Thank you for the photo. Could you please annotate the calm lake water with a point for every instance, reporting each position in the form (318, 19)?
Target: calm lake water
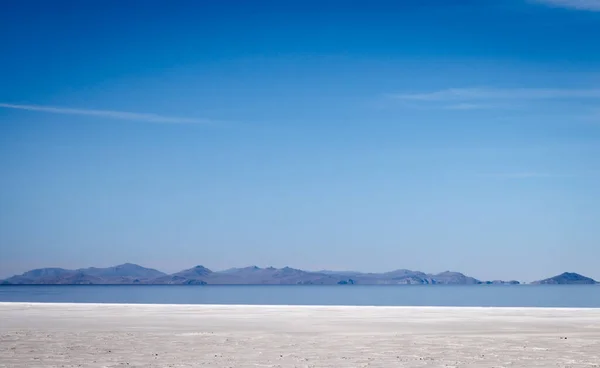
(581, 296)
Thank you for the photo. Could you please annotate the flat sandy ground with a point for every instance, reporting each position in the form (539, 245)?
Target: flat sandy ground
(92, 335)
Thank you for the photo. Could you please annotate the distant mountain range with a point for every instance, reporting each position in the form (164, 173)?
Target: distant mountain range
(123, 274)
(128, 273)
(134, 274)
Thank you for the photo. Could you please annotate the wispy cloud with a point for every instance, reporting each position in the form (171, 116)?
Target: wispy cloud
(121, 115)
(470, 94)
(591, 5)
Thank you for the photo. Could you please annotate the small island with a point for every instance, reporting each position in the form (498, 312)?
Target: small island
(567, 278)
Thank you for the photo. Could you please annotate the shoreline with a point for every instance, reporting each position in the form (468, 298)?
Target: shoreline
(299, 306)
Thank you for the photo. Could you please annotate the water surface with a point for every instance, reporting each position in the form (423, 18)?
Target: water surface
(575, 296)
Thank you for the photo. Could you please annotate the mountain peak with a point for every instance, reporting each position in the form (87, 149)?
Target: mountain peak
(198, 270)
(199, 267)
(251, 268)
(570, 274)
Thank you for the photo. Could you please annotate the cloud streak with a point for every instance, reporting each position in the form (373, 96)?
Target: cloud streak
(590, 5)
(471, 94)
(119, 115)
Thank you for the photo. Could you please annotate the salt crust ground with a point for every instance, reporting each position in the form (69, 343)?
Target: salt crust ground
(126, 335)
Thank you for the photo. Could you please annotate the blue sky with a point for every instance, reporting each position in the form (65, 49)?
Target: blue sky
(432, 135)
